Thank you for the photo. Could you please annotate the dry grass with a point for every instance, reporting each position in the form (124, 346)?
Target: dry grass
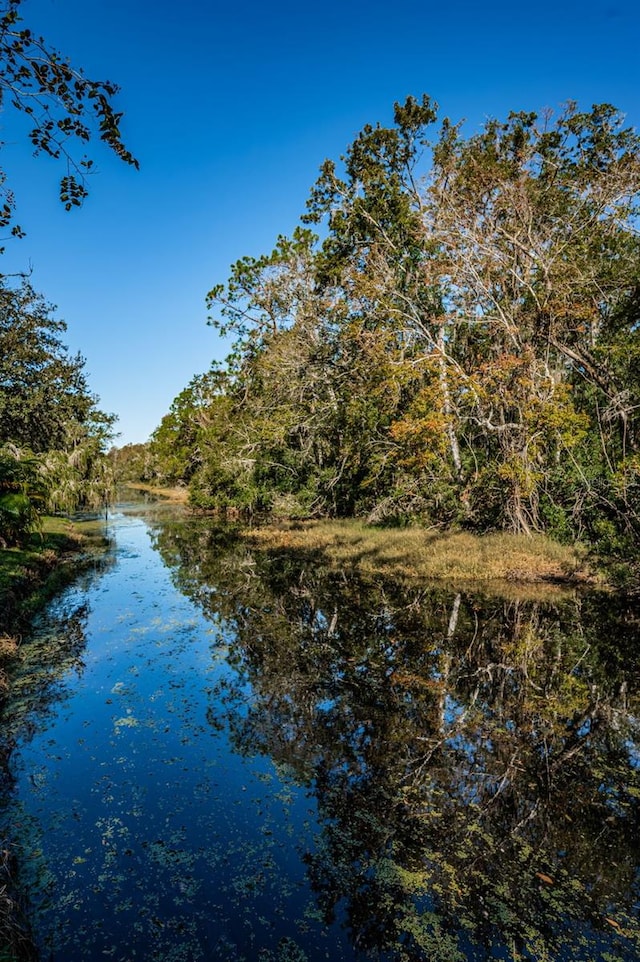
(174, 495)
(414, 553)
(8, 651)
(8, 647)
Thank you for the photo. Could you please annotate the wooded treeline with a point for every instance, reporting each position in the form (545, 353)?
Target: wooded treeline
(53, 437)
(457, 343)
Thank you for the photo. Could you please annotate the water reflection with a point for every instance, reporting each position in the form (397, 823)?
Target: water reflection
(474, 761)
(38, 680)
(285, 764)
(137, 831)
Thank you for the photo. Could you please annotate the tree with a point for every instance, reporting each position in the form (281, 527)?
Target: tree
(460, 344)
(502, 274)
(22, 495)
(43, 390)
(374, 259)
(132, 462)
(274, 436)
(533, 222)
(46, 408)
(176, 445)
(66, 109)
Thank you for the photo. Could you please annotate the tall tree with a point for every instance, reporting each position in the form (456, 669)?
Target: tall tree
(176, 444)
(534, 225)
(278, 428)
(461, 343)
(46, 407)
(43, 390)
(374, 257)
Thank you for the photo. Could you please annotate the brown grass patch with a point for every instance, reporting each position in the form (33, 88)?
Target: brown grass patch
(414, 553)
(175, 495)
(8, 651)
(8, 647)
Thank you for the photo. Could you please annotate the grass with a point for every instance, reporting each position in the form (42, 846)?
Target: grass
(34, 572)
(57, 543)
(499, 562)
(175, 495)
(512, 565)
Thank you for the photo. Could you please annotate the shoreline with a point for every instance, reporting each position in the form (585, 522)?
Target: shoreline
(496, 562)
(32, 574)
(176, 495)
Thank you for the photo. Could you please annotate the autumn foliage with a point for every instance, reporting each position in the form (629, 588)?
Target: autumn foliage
(458, 344)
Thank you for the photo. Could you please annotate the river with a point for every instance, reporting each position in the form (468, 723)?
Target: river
(218, 754)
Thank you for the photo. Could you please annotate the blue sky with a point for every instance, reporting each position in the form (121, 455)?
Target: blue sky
(231, 108)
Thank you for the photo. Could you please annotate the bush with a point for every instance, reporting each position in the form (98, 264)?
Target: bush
(21, 496)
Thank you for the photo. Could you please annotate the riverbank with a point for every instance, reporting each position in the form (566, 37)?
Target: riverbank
(177, 495)
(509, 564)
(30, 575)
(490, 561)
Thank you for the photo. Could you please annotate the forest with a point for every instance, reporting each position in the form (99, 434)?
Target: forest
(52, 433)
(449, 338)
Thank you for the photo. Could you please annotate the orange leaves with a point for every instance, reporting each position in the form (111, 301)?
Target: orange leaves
(421, 440)
(411, 429)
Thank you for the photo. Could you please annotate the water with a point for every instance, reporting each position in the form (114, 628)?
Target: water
(221, 755)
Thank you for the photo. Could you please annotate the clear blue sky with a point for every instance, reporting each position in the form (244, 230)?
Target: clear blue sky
(231, 107)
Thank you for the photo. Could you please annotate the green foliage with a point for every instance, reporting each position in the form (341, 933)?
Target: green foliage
(44, 397)
(460, 344)
(18, 516)
(22, 495)
(132, 462)
(48, 417)
(175, 447)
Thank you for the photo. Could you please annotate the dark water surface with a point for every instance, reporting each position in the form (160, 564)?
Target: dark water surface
(218, 754)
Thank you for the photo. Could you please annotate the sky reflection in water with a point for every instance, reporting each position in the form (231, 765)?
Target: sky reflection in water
(248, 757)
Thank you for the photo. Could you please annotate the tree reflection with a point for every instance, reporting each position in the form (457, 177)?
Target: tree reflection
(37, 676)
(37, 685)
(475, 761)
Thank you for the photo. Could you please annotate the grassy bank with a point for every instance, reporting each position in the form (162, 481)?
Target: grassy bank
(503, 562)
(513, 565)
(175, 495)
(34, 572)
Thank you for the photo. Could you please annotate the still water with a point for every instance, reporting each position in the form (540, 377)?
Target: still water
(218, 754)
